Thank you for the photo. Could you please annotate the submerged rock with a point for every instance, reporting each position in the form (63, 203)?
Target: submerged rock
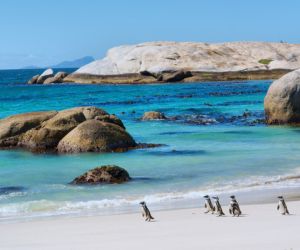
(153, 115)
(46, 74)
(282, 102)
(80, 129)
(104, 174)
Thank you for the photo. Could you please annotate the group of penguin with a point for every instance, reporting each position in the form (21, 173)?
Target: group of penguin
(234, 207)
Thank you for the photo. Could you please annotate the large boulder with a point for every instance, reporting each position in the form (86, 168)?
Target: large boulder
(153, 115)
(34, 79)
(73, 130)
(46, 74)
(104, 174)
(96, 136)
(18, 124)
(58, 78)
(282, 102)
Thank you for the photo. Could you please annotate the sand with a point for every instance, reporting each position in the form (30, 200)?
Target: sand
(261, 227)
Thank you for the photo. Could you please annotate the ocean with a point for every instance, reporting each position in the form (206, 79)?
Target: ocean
(215, 143)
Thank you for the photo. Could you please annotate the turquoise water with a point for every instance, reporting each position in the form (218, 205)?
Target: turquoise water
(216, 143)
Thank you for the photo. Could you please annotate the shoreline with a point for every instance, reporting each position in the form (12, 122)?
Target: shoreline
(136, 78)
(246, 197)
(172, 229)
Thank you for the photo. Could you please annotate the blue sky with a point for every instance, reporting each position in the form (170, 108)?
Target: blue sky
(36, 32)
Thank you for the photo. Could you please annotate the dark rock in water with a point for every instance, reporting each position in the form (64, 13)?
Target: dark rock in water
(153, 115)
(82, 129)
(194, 119)
(177, 152)
(246, 114)
(256, 122)
(104, 174)
(176, 133)
(282, 102)
(34, 79)
(11, 189)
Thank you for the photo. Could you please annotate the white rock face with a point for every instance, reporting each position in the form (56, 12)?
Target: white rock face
(157, 57)
(45, 75)
(47, 72)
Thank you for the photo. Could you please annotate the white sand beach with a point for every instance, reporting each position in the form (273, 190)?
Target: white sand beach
(261, 227)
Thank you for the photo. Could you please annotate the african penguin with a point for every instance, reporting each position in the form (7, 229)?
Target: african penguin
(218, 208)
(208, 205)
(146, 212)
(281, 207)
(234, 207)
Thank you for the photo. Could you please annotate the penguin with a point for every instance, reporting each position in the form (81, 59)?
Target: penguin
(234, 207)
(218, 208)
(146, 212)
(281, 207)
(208, 205)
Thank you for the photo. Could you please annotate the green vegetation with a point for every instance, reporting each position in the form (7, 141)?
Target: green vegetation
(206, 74)
(265, 61)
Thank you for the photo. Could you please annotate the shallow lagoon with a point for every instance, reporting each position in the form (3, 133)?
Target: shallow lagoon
(216, 143)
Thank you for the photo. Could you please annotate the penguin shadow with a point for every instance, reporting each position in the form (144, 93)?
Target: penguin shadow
(290, 214)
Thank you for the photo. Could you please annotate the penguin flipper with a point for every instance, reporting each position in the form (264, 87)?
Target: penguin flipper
(277, 207)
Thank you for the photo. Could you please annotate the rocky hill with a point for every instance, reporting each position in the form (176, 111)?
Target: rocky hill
(147, 61)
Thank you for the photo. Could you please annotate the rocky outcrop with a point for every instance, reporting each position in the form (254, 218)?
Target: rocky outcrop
(153, 115)
(34, 79)
(48, 77)
(146, 62)
(45, 75)
(282, 102)
(82, 129)
(105, 174)
(58, 78)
